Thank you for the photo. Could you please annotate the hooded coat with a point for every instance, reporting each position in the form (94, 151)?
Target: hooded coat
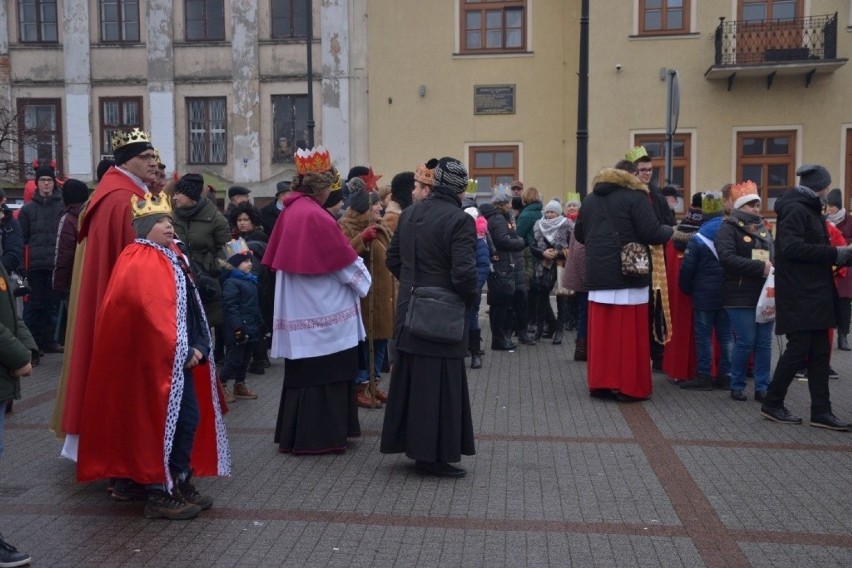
(805, 295)
(617, 212)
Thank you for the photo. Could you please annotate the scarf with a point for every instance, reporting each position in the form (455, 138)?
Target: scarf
(837, 217)
(550, 230)
(752, 223)
(188, 213)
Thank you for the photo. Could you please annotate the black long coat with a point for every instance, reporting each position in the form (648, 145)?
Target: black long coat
(744, 277)
(629, 206)
(508, 245)
(444, 256)
(805, 295)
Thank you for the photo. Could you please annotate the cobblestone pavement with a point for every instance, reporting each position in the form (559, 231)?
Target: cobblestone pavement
(684, 479)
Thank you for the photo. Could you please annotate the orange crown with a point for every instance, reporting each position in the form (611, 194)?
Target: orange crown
(747, 187)
(315, 160)
(424, 175)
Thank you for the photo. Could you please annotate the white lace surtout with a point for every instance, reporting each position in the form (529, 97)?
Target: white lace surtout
(620, 296)
(317, 315)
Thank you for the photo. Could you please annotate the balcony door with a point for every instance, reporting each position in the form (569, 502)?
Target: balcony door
(770, 30)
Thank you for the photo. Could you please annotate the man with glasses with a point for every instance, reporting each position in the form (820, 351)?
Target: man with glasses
(105, 229)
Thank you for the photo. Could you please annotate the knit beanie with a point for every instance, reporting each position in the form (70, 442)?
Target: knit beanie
(357, 171)
(143, 225)
(124, 153)
(553, 205)
(45, 171)
(361, 200)
(237, 259)
(74, 191)
(481, 226)
(103, 166)
(452, 174)
(835, 198)
(472, 211)
(402, 185)
(692, 220)
(814, 176)
(191, 185)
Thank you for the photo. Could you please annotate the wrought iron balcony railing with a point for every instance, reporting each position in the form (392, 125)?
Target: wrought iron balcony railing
(769, 42)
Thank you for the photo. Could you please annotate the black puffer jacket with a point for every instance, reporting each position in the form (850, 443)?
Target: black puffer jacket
(744, 277)
(508, 246)
(805, 295)
(444, 256)
(628, 203)
(39, 221)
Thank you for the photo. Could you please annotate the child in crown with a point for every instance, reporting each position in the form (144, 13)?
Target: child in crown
(243, 319)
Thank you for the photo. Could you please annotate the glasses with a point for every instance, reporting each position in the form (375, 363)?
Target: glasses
(147, 157)
(646, 170)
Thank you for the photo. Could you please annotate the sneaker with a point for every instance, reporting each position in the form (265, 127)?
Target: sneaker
(832, 374)
(11, 556)
(128, 490)
(738, 395)
(229, 397)
(781, 415)
(760, 396)
(242, 391)
(801, 375)
(164, 505)
(830, 422)
(191, 495)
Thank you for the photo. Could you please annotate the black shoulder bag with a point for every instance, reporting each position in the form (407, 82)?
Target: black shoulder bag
(434, 313)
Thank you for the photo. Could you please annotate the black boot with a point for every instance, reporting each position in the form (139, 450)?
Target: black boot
(474, 345)
(524, 337)
(580, 350)
(557, 334)
(842, 342)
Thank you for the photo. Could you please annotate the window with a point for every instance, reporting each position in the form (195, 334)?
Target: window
(769, 10)
(493, 165)
(205, 20)
(40, 128)
(289, 19)
(207, 124)
(119, 20)
(37, 20)
(289, 126)
(767, 159)
(655, 145)
(118, 114)
(663, 17)
(492, 26)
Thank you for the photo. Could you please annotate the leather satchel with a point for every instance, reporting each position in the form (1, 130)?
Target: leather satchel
(436, 314)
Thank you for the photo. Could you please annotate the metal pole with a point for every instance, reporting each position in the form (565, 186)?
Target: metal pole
(669, 133)
(310, 41)
(371, 332)
(583, 103)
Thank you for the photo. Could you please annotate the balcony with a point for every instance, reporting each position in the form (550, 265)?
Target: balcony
(803, 46)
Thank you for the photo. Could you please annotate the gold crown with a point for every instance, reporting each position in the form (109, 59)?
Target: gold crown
(150, 205)
(121, 138)
(635, 153)
(424, 175)
(316, 160)
(472, 186)
(747, 187)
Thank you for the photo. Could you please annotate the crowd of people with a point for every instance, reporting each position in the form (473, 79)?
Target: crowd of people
(328, 276)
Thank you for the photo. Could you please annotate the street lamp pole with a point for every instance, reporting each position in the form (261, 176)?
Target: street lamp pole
(583, 103)
(310, 26)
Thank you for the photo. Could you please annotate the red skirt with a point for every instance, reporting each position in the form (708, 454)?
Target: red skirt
(619, 350)
(680, 359)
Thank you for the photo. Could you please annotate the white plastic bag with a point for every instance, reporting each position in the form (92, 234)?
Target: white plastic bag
(765, 311)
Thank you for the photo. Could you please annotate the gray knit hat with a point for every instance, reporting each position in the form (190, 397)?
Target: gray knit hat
(814, 176)
(553, 205)
(452, 174)
(835, 198)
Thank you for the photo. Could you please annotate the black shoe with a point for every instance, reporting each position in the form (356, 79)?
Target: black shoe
(504, 345)
(781, 415)
(11, 556)
(722, 383)
(760, 396)
(163, 505)
(832, 374)
(525, 338)
(538, 333)
(830, 422)
(190, 494)
(557, 336)
(439, 469)
(54, 348)
(738, 394)
(605, 394)
(621, 397)
(475, 360)
(128, 490)
(700, 383)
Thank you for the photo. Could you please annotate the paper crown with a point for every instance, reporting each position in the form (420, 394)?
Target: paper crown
(150, 205)
(747, 187)
(316, 160)
(635, 153)
(236, 246)
(424, 175)
(120, 138)
(572, 197)
(711, 203)
(472, 186)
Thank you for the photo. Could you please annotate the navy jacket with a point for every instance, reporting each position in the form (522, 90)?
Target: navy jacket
(241, 306)
(701, 273)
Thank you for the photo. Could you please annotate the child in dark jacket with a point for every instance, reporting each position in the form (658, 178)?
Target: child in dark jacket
(243, 320)
(701, 276)
(483, 265)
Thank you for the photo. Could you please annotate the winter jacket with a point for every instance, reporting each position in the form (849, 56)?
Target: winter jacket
(662, 211)
(526, 221)
(269, 215)
(545, 270)
(628, 204)
(39, 222)
(483, 261)
(66, 248)
(701, 274)
(743, 274)
(805, 295)
(17, 345)
(444, 256)
(11, 241)
(241, 306)
(508, 245)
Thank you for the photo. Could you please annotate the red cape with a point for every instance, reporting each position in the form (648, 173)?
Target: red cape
(307, 240)
(105, 224)
(135, 366)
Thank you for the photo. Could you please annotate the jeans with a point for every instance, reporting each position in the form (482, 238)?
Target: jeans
(187, 423)
(582, 314)
(3, 404)
(705, 322)
(809, 349)
(750, 336)
(237, 356)
(379, 350)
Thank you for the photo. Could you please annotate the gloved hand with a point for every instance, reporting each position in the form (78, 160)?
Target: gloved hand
(240, 334)
(844, 256)
(368, 234)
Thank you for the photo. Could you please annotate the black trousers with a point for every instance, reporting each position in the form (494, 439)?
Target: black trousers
(804, 349)
(845, 316)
